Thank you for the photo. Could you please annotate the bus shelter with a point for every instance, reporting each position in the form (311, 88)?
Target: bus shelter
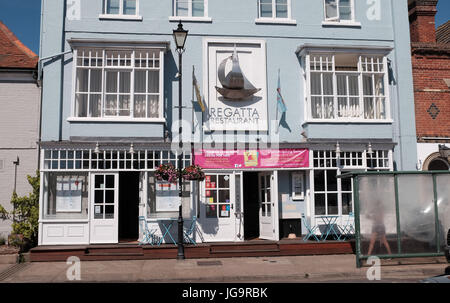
(400, 214)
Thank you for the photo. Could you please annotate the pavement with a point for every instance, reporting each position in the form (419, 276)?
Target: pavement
(297, 269)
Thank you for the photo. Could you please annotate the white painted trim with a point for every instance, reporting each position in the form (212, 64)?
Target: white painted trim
(189, 19)
(341, 23)
(64, 221)
(119, 17)
(275, 21)
(124, 120)
(345, 121)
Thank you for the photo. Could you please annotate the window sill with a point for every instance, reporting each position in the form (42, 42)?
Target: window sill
(118, 120)
(334, 121)
(190, 19)
(341, 24)
(120, 17)
(275, 21)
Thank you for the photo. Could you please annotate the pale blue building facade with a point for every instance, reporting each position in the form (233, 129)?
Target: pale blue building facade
(110, 112)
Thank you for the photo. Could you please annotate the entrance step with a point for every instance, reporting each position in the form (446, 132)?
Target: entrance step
(239, 249)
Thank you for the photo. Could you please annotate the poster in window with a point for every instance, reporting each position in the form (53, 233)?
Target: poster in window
(298, 187)
(68, 194)
(167, 197)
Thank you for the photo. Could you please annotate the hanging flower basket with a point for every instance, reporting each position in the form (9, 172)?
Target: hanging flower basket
(166, 172)
(193, 173)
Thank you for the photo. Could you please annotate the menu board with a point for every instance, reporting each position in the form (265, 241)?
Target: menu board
(68, 195)
(167, 197)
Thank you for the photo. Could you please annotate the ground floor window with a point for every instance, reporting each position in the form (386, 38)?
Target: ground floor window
(334, 195)
(163, 199)
(65, 196)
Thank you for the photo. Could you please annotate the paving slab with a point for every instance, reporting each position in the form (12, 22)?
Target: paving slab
(273, 269)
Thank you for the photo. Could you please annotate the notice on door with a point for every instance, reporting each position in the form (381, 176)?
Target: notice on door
(167, 197)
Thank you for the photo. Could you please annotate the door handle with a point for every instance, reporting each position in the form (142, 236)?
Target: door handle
(232, 206)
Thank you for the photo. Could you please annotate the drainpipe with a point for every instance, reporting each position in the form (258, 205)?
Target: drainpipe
(16, 163)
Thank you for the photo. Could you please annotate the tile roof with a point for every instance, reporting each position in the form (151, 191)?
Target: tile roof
(13, 53)
(443, 33)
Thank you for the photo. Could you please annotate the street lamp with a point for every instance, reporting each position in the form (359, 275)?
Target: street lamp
(180, 36)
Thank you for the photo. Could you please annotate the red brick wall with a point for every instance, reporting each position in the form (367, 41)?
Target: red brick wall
(423, 29)
(429, 72)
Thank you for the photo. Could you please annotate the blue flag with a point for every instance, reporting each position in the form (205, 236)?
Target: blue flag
(280, 102)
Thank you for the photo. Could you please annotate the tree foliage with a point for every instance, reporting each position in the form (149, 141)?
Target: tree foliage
(25, 213)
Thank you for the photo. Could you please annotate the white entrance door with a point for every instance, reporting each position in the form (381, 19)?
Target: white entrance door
(104, 208)
(217, 220)
(268, 205)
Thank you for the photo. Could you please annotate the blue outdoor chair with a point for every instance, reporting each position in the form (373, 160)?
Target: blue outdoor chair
(311, 230)
(348, 230)
(148, 236)
(190, 233)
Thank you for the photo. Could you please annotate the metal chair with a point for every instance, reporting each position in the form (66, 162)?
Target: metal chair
(348, 230)
(311, 230)
(190, 233)
(148, 236)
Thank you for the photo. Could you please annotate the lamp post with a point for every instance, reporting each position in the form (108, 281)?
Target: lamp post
(180, 36)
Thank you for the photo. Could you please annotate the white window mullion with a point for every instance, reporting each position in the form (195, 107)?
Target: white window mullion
(274, 9)
(361, 89)
(132, 74)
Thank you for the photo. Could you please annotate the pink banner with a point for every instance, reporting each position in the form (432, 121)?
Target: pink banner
(239, 159)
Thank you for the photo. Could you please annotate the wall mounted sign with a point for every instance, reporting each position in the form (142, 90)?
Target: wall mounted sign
(236, 84)
(241, 159)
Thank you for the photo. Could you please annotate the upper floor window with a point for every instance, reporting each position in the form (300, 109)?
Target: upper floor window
(339, 11)
(190, 10)
(118, 84)
(126, 9)
(347, 87)
(274, 11)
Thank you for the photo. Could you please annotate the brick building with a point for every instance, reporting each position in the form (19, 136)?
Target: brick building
(19, 119)
(430, 50)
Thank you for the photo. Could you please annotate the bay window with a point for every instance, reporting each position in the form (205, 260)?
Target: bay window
(339, 10)
(347, 87)
(118, 84)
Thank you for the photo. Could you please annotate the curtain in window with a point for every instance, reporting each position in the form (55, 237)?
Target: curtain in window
(198, 8)
(113, 7)
(282, 8)
(182, 8)
(331, 9)
(265, 8)
(345, 10)
(129, 7)
(348, 95)
(125, 96)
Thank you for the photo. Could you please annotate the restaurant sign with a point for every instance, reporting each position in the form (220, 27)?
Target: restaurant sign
(241, 159)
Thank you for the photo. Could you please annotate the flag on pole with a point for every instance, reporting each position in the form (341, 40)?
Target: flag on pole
(280, 102)
(197, 93)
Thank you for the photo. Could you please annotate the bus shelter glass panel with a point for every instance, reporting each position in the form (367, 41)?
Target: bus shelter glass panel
(443, 202)
(378, 224)
(417, 213)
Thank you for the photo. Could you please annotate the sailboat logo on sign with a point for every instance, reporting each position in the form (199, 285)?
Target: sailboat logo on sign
(235, 86)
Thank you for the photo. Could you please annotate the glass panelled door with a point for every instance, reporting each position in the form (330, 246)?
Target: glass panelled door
(217, 219)
(104, 208)
(268, 211)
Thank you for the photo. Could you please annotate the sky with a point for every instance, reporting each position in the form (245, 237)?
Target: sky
(23, 19)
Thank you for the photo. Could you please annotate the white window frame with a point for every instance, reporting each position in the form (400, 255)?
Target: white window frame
(104, 68)
(336, 20)
(298, 178)
(274, 19)
(121, 15)
(309, 118)
(189, 17)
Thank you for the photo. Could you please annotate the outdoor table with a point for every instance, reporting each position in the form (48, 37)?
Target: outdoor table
(167, 225)
(330, 222)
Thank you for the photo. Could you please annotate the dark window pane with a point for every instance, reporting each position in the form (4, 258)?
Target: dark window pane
(109, 196)
(331, 180)
(224, 181)
(224, 211)
(224, 196)
(99, 181)
(332, 204)
(109, 181)
(346, 184)
(319, 204)
(211, 211)
(319, 180)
